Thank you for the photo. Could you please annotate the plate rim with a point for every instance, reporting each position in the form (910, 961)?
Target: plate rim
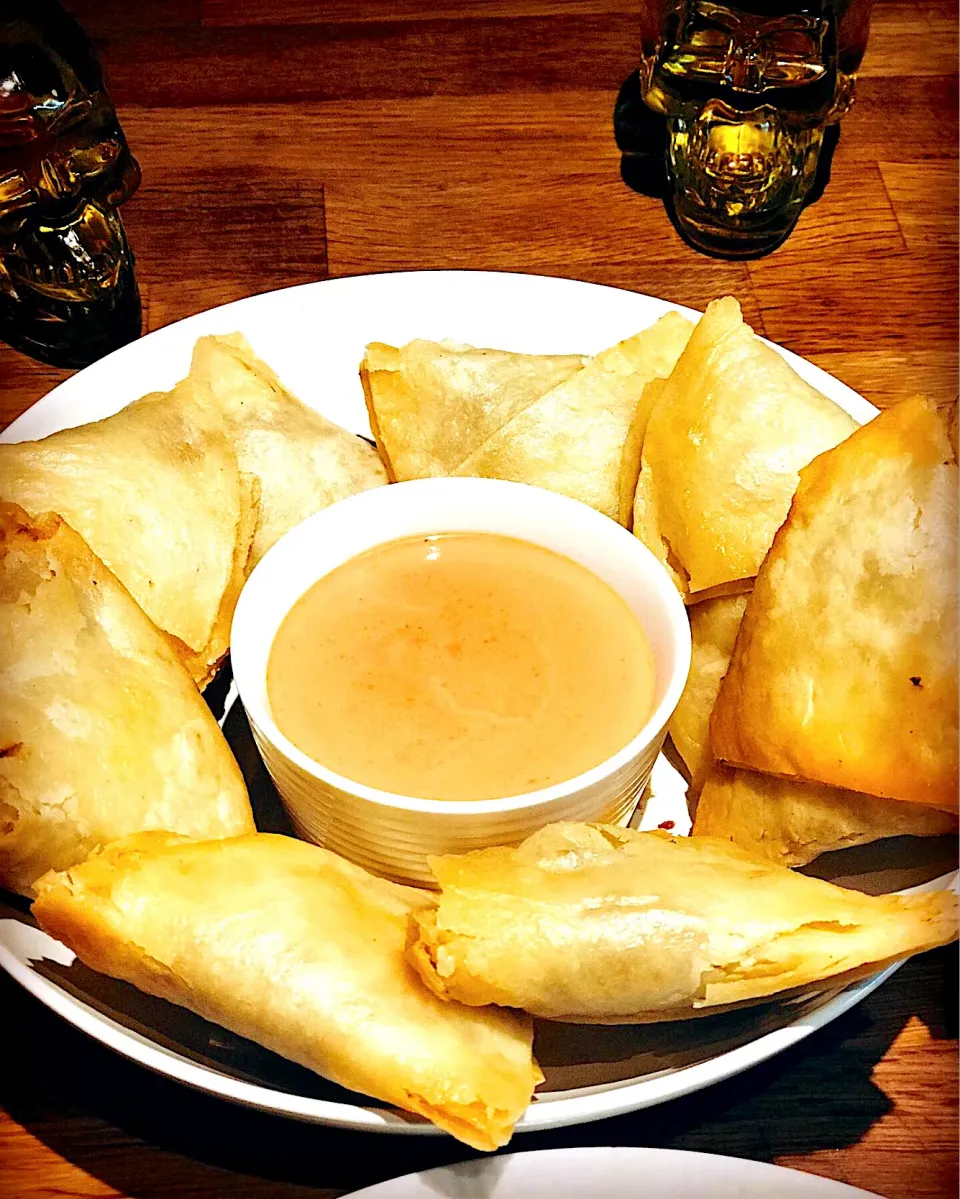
(617, 1098)
(635, 1155)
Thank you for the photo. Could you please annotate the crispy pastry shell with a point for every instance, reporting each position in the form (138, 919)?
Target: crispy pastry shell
(289, 945)
(431, 405)
(303, 461)
(102, 732)
(845, 667)
(794, 822)
(157, 494)
(572, 439)
(713, 632)
(721, 453)
(598, 924)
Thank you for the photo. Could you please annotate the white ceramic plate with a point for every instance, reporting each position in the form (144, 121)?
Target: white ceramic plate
(314, 337)
(610, 1173)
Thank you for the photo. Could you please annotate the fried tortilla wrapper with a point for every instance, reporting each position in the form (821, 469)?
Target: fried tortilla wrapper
(572, 439)
(793, 823)
(102, 732)
(845, 667)
(633, 447)
(431, 405)
(303, 461)
(781, 819)
(721, 453)
(156, 493)
(591, 923)
(289, 945)
(713, 632)
(203, 664)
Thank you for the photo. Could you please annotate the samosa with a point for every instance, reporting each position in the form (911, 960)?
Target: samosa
(793, 822)
(785, 820)
(432, 404)
(845, 666)
(157, 494)
(592, 923)
(303, 461)
(289, 945)
(713, 631)
(721, 452)
(102, 731)
(572, 439)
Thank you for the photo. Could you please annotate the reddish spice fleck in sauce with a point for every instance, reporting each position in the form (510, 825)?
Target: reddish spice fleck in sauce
(666, 824)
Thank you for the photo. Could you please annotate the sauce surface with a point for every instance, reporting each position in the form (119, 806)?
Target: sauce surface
(461, 666)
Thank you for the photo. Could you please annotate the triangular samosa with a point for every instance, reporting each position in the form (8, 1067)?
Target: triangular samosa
(721, 453)
(289, 945)
(432, 404)
(794, 822)
(303, 461)
(156, 493)
(845, 667)
(571, 440)
(102, 732)
(591, 923)
(785, 820)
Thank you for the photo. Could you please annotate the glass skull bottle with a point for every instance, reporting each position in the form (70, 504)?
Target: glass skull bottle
(747, 90)
(68, 294)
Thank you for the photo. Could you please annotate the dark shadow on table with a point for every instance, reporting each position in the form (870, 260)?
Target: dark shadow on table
(818, 1095)
(641, 137)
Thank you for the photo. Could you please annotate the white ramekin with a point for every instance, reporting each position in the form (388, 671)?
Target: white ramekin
(393, 834)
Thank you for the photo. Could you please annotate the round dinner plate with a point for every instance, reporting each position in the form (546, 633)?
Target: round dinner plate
(610, 1173)
(314, 337)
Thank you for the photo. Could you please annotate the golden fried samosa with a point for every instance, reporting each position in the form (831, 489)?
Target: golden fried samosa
(591, 923)
(845, 667)
(102, 732)
(303, 461)
(572, 438)
(785, 820)
(713, 632)
(431, 404)
(289, 945)
(156, 493)
(721, 453)
(794, 822)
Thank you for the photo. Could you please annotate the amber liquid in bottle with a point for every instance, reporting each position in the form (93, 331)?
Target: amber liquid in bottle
(68, 294)
(747, 90)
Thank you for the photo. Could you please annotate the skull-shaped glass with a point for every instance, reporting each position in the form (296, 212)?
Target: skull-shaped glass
(67, 288)
(747, 90)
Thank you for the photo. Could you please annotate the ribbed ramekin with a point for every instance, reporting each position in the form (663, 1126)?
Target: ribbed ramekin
(393, 834)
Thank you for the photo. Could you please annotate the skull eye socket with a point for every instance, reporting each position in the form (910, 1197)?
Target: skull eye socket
(35, 72)
(90, 161)
(703, 52)
(793, 57)
(708, 37)
(793, 44)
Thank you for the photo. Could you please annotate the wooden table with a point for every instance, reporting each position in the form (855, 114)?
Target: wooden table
(289, 140)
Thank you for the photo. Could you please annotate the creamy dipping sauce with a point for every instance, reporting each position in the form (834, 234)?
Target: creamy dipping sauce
(462, 666)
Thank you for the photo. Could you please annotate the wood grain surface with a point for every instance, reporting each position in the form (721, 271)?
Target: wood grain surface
(283, 141)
